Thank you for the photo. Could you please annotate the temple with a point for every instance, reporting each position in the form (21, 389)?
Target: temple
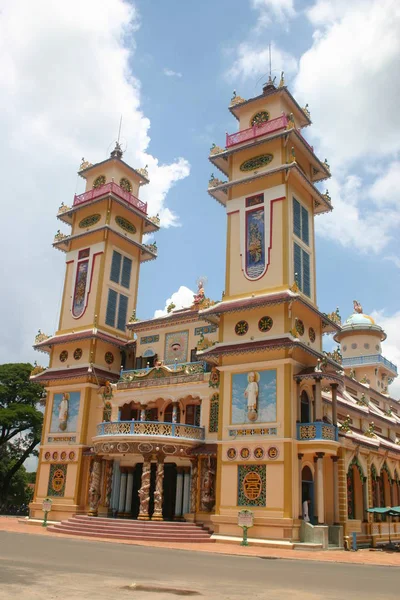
(227, 405)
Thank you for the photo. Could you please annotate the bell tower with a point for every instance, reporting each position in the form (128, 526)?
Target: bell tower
(104, 251)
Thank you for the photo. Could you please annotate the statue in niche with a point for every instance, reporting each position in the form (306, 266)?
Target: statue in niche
(357, 307)
(94, 487)
(63, 412)
(207, 498)
(251, 393)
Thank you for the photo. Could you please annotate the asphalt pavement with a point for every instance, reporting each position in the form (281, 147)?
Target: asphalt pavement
(43, 568)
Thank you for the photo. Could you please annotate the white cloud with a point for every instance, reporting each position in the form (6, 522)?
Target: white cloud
(171, 73)
(183, 298)
(252, 61)
(386, 189)
(66, 79)
(281, 10)
(394, 259)
(391, 347)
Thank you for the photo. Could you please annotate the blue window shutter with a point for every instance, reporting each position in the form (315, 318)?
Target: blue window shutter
(304, 225)
(296, 218)
(126, 272)
(122, 312)
(306, 274)
(115, 266)
(297, 266)
(111, 308)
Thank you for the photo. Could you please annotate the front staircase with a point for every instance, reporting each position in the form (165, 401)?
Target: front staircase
(127, 529)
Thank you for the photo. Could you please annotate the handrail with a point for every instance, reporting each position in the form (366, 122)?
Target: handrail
(113, 188)
(256, 130)
(370, 359)
(319, 430)
(151, 428)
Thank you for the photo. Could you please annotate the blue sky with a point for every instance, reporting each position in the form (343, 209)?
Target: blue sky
(170, 68)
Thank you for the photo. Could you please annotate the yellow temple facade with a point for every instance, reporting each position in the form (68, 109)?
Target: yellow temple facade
(227, 405)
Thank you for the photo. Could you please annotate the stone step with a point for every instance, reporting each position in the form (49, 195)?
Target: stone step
(97, 521)
(199, 538)
(140, 530)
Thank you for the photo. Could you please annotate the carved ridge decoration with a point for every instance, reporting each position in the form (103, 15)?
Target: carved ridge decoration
(216, 150)
(123, 385)
(236, 99)
(161, 371)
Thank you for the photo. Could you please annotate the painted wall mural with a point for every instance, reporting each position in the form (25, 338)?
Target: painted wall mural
(254, 397)
(65, 412)
(176, 347)
(255, 243)
(78, 305)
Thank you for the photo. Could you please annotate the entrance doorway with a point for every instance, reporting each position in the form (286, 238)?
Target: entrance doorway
(307, 491)
(169, 491)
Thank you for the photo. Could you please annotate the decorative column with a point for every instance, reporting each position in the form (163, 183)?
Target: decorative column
(316, 484)
(318, 399)
(158, 493)
(321, 505)
(313, 405)
(129, 491)
(186, 491)
(193, 487)
(144, 492)
(143, 413)
(115, 487)
(108, 483)
(300, 492)
(391, 483)
(122, 493)
(298, 396)
(334, 387)
(94, 487)
(114, 412)
(179, 491)
(174, 411)
(335, 466)
(365, 499)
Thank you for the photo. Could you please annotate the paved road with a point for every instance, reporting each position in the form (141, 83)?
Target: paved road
(44, 568)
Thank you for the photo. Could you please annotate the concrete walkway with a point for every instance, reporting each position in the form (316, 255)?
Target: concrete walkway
(363, 557)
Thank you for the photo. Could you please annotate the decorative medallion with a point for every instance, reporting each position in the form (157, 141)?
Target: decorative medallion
(63, 455)
(125, 184)
(71, 455)
(256, 162)
(259, 452)
(260, 117)
(265, 324)
(251, 485)
(241, 328)
(273, 452)
(109, 358)
(299, 326)
(99, 181)
(47, 455)
(245, 453)
(125, 224)
(57, 477)
(166, 449)
(89, 221)
(311, 334)
(231, 453)
(146, 448)
(78, 353)
(213, 382)
(63, 355)
(55, 455)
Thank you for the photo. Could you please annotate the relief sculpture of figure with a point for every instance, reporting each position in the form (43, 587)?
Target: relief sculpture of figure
(357, 307)
(94, 487)
(193, 489)
(158, 493)
(63, 412)
(208, 485)
(144, 493)
(251, 393)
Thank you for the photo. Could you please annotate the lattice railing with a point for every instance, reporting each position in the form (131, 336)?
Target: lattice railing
(115, 189)
(253, 132)
(151, 428)
(316, 431)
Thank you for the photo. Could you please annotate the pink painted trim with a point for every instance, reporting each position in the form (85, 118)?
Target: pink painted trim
(111, 187)
(267, 250)
(253, 132)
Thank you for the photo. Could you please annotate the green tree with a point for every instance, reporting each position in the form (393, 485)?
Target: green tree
(20, 424)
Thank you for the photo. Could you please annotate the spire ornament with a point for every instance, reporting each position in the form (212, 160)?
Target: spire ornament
(282, 81)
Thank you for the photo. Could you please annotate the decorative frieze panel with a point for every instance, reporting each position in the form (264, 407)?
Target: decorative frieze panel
(204, 330)
(57, 479)
(251, 485)
(214, 413)
(149, 339)
(254, 431)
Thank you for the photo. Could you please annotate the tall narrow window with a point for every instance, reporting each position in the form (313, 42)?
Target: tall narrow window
(111, 308)
(126, 272)
(300, 221)
(116, 311)
(122, 312)
(302, 269)
(115, 267)
(121, 267)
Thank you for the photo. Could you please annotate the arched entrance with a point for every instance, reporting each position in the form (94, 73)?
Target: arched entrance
(305, 408)
(355, 478)
(307, 491)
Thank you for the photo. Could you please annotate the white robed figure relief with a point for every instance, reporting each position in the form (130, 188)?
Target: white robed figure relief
(63, 412)
(251, 393)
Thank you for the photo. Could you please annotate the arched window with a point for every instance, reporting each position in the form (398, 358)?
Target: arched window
(305, 416)
(168, 413)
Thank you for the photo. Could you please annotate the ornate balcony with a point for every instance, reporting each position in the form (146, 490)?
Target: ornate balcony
(372, 359)
(110, 188)
(134, 430)
(317, 431)
(163, 375)
(256, 131)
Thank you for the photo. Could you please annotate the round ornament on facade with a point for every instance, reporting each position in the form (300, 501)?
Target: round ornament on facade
(63, 455)
(260, 117)
(377, 347)
(99, 181)
(265, 324)
(71, 455)
(109, 358)
(344, 348)
(125, 184)
(63, 355)
(241, 327)
(366, 346)
(231, 453)
(311, 334)
(125, 224)
(89, 221)
(299, 326)
(78, 354)
(47, 455)
(245, 453)
(55, 455)
(354, 346)
(252, 485)
(273, 452)
(256, 162)
(259, 453)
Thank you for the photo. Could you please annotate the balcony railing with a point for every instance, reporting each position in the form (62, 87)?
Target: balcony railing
(163, 375)
(253, 132)
(111, 188)
(179, 431)
(317, 431)
(372, 359)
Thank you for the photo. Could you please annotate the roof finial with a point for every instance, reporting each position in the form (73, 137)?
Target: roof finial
(357, 307)
(117, 152)
(271, 82)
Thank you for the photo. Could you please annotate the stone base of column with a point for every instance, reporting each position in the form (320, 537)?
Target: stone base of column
(143, 518)
(92, 513)
(157, 517)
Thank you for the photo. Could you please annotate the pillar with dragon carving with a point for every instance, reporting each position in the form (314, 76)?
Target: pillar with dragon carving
(158, 493)
(144, 492)
(94, 487)
(193, 489)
